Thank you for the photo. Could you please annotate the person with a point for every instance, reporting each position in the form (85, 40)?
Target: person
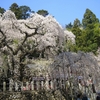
(98, 96)
(85, 97)
(79, 96)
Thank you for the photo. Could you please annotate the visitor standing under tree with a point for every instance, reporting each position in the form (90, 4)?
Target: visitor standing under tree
(79, 96)
(85, 97)
(98, 96)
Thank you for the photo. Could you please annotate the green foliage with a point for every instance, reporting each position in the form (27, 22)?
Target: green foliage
(69, 46)
(69, 26)
(15, 41)
(89, 18)
(97, 33)
(25, 12)
(76, 23)
(2, 10)
(43, 12)
(21, 12)
(87, 38)
(15, 8)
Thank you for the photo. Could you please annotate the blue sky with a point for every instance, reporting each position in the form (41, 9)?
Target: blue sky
(65, 11)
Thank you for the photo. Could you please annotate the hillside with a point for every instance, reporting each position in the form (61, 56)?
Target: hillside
(37, 46)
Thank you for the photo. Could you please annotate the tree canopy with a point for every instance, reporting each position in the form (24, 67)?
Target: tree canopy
(69, 26)
(25, 11)
(87, 33)
(76, 23)
(89, 18)
(43, 12)
(2, 10)
(21, 12)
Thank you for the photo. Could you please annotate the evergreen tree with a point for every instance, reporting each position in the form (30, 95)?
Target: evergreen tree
(21, 12)
(2, 10)
(25, 11)
(76, 23)
(88, 38)
(15, 8)
(89, 18)
(69, 26)
(43, 12)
